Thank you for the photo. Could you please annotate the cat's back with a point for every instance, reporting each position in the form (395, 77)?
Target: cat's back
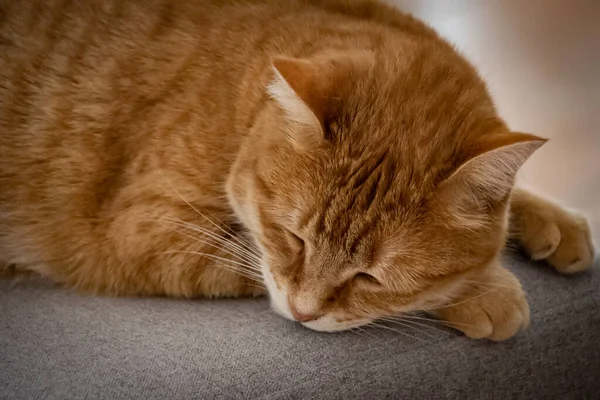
(91, 83)
(67, 62)
(90, 88)
(97, 95)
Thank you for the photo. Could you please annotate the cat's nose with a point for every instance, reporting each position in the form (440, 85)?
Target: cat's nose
(300, 317)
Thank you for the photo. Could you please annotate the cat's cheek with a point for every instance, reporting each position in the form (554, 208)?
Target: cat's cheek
(277, 294)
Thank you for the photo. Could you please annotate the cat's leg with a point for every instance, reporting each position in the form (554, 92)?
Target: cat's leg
(161, 249)
(10, 271)
(548, 232)
(185, 252)
(491, 306)
(7, 270)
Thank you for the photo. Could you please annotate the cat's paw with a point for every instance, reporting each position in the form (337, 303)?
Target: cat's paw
(494, 308)
(551, 233)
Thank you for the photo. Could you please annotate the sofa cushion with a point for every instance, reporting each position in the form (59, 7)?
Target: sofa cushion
(57, 344)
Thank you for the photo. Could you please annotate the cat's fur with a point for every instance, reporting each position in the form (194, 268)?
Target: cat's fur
(339, 149)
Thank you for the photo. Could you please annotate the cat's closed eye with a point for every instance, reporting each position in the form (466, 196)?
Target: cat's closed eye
(295, 242)
(367, 278)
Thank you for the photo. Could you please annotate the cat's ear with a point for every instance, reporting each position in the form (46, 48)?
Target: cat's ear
(297, 88)
(489, 174)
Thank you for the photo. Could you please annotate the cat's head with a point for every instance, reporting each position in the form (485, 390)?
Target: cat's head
(374, 185)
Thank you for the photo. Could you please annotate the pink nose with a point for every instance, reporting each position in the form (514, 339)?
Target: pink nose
(303, 317)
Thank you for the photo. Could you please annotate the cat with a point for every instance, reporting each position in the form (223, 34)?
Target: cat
(337, 156)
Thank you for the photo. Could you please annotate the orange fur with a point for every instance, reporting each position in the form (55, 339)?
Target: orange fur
(338, 149)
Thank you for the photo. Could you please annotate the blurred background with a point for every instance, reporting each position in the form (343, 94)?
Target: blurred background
(541, 60)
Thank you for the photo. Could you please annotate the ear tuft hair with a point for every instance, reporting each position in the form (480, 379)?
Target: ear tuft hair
(292, 87)
(489, 176)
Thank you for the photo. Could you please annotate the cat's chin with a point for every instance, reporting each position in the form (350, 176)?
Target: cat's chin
(328, 323)
(280, 309)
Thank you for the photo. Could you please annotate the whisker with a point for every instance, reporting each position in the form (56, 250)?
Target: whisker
(220, 239)
(437, 320)
(490, 284)
(460, 302)
(189, 204)
(355, 330)
(395, 330)
(216, 245)
(237, 235)
(244, 248)
(407, 324)
(261, 286)
(367, 332)
(173, 220)
(222, 259)
(247, 265)
(241, 273)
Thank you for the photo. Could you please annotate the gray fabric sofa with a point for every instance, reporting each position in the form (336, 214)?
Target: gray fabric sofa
(55, 344)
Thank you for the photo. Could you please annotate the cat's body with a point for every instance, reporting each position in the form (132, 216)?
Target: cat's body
(122, 121)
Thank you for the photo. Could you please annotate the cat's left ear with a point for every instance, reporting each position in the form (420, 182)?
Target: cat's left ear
(298, 88)
(489, 174)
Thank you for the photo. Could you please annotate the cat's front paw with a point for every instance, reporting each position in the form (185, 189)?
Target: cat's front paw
(551, 233)
(494, 307)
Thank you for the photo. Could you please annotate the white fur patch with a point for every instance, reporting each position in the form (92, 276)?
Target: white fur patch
(294, 107)
(278, 297)
(303, 129)
(329, 323)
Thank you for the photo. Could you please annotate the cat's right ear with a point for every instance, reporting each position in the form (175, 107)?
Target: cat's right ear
(295, 88)
(488, 175)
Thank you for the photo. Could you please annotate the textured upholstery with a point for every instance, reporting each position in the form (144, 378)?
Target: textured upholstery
(61, 345)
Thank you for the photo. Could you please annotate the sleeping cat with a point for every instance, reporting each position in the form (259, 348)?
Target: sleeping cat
(336, 155)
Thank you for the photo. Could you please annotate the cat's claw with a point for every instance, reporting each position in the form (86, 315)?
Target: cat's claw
(494, 309)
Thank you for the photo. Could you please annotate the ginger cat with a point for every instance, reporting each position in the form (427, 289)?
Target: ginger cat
(339, 152)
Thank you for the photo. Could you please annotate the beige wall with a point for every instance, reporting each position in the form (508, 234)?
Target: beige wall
(541, 59)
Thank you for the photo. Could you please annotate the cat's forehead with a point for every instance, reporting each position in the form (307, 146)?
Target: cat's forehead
(358, 206)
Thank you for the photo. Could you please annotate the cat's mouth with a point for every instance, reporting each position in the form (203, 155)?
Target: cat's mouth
(324, 323)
